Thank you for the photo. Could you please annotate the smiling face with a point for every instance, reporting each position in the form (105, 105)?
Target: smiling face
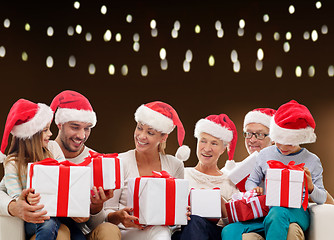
(287, 149)
(253, 144)
(209, 149)
(72, 136)
(148, 139)
(45, 135)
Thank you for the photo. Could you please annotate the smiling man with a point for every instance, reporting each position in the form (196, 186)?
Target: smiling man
(256, 129)
(75, 117)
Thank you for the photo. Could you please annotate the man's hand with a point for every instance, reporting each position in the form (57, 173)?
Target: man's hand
(80, 219)
(97, 199)
(123, 216)
(21, 209)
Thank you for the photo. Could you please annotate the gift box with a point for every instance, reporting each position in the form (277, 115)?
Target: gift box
(242, 170)
(284, 185)
(205, 202)
(246, 206)
(158, 199)
(64, 187)
(107, 170)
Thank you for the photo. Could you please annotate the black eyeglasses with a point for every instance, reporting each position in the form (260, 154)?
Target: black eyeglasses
(258, 136)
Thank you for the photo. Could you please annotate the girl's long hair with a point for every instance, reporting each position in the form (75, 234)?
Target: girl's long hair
(24, 151)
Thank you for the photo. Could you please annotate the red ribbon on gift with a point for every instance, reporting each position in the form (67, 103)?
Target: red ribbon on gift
(63, 182)
(98, 169)
(285, 180)
(170, 196)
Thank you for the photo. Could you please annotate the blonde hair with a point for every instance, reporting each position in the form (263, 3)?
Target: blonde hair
(24, 151)
(162, 147)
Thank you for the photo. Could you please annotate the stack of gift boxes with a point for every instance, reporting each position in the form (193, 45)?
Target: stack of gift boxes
(159, 199)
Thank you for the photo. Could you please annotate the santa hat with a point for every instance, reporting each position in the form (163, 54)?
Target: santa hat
(72, 106)
(259, 115)
(292, 124)
(163, 118)
(24, 120)
(222, 127)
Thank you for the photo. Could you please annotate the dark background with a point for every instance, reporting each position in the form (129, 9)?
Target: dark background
(195, 94)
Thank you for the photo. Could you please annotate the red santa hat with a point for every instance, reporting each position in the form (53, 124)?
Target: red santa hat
(163, 118)
(222, 127)
(292, 124)
(259, 115)
(72, 106)
(24, 120)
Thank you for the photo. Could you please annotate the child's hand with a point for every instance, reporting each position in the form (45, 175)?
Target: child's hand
(310, 185)
(258, 190)
(33, 198)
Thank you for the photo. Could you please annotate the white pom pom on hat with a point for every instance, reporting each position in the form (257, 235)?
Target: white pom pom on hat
(183, 153)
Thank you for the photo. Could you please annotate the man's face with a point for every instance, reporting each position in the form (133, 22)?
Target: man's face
(254, 144)
(74, 134)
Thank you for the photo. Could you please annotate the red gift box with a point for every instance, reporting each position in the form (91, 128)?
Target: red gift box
(249, 206)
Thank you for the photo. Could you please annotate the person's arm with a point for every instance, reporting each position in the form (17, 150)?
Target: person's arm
(256, 176)
(316, 188)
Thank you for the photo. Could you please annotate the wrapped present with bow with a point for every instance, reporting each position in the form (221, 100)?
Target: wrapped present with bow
(242, 170)
(285, 184)
(158, 199)
(107, 170)
(246, 206)
(64, 187)
(205, 202)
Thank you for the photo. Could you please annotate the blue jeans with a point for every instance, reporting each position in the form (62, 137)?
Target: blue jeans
(275, 224)
(46, 230)
(198, 228)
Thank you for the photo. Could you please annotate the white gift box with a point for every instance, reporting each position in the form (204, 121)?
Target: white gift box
(64, 193)
(205, 202)
(152, 199)
(242, 170)
(107, 172)
(288, 193)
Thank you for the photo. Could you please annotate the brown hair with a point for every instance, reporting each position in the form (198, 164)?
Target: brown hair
(24, 151)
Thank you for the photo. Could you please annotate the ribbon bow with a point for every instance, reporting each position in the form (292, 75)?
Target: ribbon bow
(291, 166)
(249, 196)
(105, 155)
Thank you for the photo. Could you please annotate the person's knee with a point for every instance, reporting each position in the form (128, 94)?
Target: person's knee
(63, 233)
(275, 213)
(252, 236)
(196, 221)
(295, 232)
(106, 231)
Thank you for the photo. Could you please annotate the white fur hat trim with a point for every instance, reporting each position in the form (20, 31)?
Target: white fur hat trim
(291, 136)
(42, 117)
(257, 117)
(214, 129)
(64, 115)
(154, 119)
